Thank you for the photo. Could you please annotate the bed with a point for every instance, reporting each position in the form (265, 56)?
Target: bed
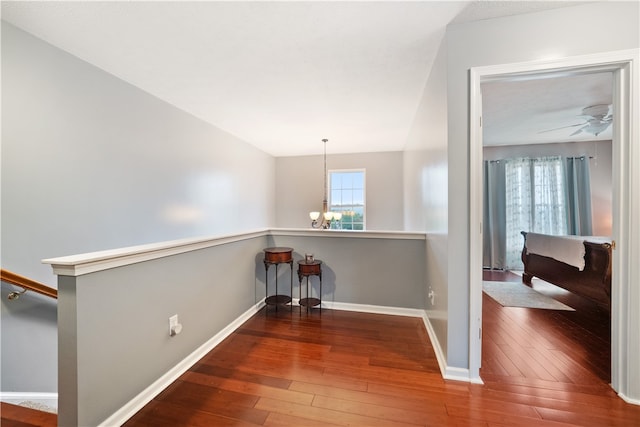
(579, 264)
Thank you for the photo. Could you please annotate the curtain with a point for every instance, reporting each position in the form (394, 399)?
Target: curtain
(578, 195)
(548, 195)
(535, 201)
(494, 251)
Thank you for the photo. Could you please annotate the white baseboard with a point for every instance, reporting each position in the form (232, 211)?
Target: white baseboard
(448, 372)
(377, 309)
(629, 400)
(127, 411)
(442, 361)
(460, 374)
(48, 399)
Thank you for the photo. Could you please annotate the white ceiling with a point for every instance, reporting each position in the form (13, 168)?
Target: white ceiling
(528, 111)
(279, 75)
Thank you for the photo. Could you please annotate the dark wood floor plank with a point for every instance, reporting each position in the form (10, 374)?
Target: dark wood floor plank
(407, 402)
(248, 388)
(213, 400)
(334, 416)
(168, 414)
(236, 374)
(276, 419)
(601, 418)
(383, 412)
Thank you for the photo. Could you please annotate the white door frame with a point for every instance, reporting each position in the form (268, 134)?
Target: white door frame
(625, 319)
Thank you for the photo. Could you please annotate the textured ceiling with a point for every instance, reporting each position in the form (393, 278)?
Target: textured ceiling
(543, 110)
(279, 75)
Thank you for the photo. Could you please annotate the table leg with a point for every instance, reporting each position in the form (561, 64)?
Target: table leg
(276, 287)
(307, 293)
(266, 283)
(320, 294)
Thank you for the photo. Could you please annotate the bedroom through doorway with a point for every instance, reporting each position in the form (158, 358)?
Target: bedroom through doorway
(547, 169)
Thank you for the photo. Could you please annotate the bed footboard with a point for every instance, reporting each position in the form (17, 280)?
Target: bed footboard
(593, 282)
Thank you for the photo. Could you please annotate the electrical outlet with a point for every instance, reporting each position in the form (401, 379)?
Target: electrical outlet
(174, 326)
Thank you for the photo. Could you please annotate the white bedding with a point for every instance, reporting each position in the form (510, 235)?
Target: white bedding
(567, 249)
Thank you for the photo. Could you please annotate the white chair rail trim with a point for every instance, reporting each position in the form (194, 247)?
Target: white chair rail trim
(77, 265)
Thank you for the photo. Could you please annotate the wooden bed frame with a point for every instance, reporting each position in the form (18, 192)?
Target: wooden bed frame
(594, 282)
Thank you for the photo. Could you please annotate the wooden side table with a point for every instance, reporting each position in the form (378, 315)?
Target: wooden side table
(306, 269)
(276, 256)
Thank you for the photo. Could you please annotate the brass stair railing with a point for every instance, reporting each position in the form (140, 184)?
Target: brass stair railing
(26, 284)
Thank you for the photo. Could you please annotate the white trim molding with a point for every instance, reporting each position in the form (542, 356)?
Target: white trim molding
(341, 234)
(448, 372)
(625, 301)
(78, 265)
(375, 309)
(629, 400)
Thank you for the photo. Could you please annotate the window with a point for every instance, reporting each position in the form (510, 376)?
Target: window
(548, 195)
(346, 195)
(535, 196)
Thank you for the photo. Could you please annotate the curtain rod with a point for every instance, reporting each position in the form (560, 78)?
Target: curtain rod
(567, 157)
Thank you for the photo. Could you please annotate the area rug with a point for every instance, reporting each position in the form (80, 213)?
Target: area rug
(514, 294)
(38, 406)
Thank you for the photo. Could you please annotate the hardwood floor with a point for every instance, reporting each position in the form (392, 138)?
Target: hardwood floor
(339, 368)
(550, 345)
(345, 368)
(19, 416)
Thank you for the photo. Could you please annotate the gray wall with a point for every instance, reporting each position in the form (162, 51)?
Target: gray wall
(437, 151)
(599, 166)
(577, 30)
(300, 186)
(114, 339)
(384, 272)
(425, 190)
(114, 324)
(90, 162)
(29, 342)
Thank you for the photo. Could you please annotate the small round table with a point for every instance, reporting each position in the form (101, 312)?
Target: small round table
(306, 269)
(275, 256)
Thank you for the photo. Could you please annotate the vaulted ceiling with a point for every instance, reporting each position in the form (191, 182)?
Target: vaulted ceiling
(281, 75)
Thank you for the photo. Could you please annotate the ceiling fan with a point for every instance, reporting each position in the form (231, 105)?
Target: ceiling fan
(597, 119)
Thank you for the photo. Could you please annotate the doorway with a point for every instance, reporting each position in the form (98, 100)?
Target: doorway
(624, 101)
(534, 131)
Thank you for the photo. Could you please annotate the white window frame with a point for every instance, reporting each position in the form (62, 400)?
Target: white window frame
(364, 192)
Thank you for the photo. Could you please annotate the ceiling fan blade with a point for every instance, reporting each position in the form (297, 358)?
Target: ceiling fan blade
(563, 127)
(598, 110)
(579, 130)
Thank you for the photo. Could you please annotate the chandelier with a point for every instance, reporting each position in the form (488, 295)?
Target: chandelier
(325, 218)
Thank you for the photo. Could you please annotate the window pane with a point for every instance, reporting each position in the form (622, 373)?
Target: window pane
(358, 180)
(347, 196)
(358, 197)
(336, 198)
(350, 182)
(336, 180)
